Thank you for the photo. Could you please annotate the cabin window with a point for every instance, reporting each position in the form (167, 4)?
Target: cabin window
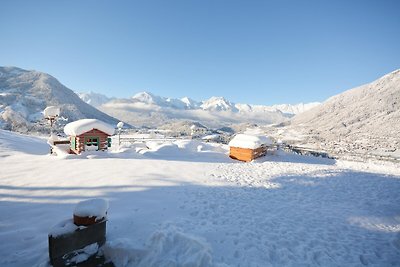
(92, 143)
(109, 142)
(95, 142)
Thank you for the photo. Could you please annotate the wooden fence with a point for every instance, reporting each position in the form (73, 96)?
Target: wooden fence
(354, 156)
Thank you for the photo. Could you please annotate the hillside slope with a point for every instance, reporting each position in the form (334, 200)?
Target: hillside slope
(365, 118)
(24, 95)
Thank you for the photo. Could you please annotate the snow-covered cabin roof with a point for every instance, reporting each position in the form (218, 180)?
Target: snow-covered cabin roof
(249, 141)
(85, 125)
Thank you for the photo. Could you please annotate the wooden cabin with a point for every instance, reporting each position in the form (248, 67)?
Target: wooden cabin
(247, 154)
(246, 147)
(88, 135)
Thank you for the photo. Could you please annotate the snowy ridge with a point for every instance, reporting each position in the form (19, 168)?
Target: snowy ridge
(363, 119)
(148, 98)
(147, 109)
(218, 104)
(25, 94)
(190, 103)
(94, 99)
(295, 109)
(213, 104)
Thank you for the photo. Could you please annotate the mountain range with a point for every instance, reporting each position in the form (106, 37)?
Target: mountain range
(212, 104)
(24, 94)
(147, 109)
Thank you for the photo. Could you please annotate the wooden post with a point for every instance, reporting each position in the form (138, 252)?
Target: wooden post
(63, 248)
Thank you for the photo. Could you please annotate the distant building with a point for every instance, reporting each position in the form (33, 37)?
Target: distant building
(198, 130)
(88, 135)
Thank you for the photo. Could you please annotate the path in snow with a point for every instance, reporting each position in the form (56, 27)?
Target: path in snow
(290, 215)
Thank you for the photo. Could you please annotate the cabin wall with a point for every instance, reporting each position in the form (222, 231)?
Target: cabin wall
(80, 144)
(80, 140)
(246, 154)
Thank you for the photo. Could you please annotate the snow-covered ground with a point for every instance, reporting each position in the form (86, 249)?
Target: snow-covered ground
(185, 203)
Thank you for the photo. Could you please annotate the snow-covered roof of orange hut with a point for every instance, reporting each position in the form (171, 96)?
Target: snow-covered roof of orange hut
(79, 127)
(249, 141)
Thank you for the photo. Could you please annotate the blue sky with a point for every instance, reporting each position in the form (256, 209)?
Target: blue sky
(256, 52)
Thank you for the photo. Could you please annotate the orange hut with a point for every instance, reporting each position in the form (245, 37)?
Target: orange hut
(245, 147)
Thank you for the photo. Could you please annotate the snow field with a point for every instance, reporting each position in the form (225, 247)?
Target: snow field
(187, 204)
(321, 216)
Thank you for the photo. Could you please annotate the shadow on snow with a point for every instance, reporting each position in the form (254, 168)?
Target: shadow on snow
(341, 218)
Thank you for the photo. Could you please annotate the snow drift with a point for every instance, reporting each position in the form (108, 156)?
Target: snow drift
(165, 248)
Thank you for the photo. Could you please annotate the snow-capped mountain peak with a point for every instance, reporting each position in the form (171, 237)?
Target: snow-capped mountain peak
(147, 98)
(151, 99)
(217, 103)
(94, 99)
(190, 103)
(175, 103)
